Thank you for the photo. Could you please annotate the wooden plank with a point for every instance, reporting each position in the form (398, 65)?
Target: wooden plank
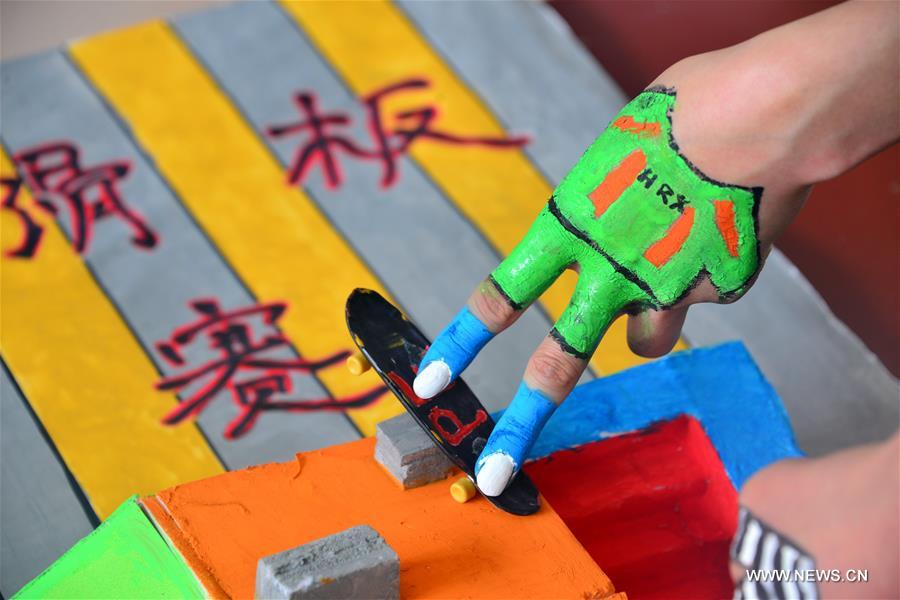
(272, 234)
(423, 251)
(446, 549)
(499, 192)
(154, 288)
(86, 376)
(42, 514)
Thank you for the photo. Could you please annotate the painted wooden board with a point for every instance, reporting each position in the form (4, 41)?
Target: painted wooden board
(835, 390)
(649, 487)
(187, 132)
(154, 289)
(123, 558)
(43, 509)
(446, 549)
(84, 375)
(720, 386)
(662, 519)
(577, 97)
(270, 233)
(424, 250)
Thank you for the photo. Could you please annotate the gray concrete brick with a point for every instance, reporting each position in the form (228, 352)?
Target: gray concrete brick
(408, 453)
(355, 563)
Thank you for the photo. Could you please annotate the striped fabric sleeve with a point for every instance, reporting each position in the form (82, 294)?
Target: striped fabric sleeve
(778, 562)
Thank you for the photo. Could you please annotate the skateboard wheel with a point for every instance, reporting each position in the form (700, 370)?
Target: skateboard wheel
(357, 364)
(463, 490)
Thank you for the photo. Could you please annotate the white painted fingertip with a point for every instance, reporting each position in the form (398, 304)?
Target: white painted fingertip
(495, 474)
(432, 380)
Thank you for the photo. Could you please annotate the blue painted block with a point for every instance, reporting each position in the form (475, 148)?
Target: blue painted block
(720, 386)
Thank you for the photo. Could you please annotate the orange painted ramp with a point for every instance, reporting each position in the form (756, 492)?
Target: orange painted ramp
(446, 550)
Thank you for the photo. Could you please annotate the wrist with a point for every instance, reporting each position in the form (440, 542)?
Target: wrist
(741, 121)
(796, 105)
(736, 119)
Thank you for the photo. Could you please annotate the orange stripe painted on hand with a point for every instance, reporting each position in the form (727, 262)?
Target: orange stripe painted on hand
(627, 124)
(726, 225)
(664, 249)
(617, 181)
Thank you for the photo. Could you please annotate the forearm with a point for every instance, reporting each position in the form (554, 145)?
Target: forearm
(796, 105)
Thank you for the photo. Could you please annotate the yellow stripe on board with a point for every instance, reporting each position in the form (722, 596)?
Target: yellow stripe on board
(271, 233)
(372, 44)
(85, 376)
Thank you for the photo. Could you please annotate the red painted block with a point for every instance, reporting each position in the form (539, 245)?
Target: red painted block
(654, 508)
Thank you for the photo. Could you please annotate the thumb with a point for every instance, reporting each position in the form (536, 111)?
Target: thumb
(653, 333)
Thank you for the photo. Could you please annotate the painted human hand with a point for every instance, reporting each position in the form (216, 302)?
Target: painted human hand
(650, 234)
(642, 226)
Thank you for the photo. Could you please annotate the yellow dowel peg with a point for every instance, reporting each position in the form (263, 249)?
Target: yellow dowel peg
(357, 364)
(463, 490)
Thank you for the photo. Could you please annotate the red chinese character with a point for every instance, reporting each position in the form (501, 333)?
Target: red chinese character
(55, 175)
(32, 231)
(415, 124)
(388, 144)
(229, 335)
(322, 146)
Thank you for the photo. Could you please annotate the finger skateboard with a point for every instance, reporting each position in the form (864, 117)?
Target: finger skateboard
(455, 419)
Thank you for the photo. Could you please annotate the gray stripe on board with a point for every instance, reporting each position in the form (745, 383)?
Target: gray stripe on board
(416, 242)
(40, 514)
(44, 98)
(523, 61)
(533, 73)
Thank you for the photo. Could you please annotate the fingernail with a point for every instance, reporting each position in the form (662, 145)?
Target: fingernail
(495, 474)
(432, 380)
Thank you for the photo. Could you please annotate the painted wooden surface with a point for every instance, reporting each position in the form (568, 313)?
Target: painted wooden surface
(423, 250)
(74, 358)
(720, 386)
(126, 557)
(654, 507)
(188, 104)
(446, 549)
(44, 512)
(152, 289)
(270, 233)
(642, 467)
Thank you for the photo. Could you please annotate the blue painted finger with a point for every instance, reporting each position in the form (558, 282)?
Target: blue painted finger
(511, 439)
(451, 353)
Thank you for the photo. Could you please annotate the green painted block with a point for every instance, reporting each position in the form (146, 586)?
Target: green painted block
(125, 557)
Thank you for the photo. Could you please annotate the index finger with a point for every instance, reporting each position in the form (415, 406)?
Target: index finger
(519, 280)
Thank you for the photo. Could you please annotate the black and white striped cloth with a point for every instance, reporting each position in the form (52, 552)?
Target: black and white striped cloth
(758, 547)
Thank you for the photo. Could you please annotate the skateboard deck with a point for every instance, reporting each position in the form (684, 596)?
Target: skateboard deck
(455, 419)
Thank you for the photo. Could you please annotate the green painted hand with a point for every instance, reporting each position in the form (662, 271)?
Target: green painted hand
(650, 234)
(642, 226)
